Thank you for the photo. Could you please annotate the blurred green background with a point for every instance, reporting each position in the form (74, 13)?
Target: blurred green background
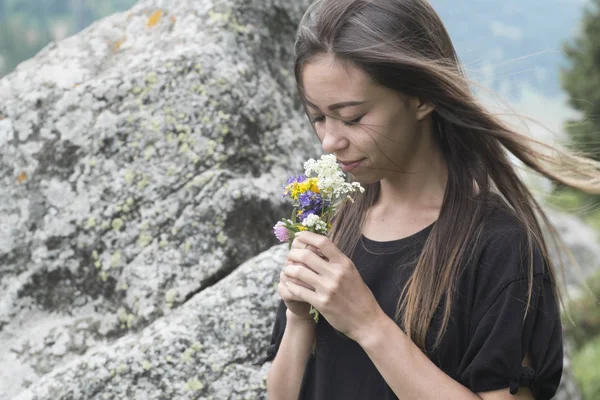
(26, 26)
(543, 56)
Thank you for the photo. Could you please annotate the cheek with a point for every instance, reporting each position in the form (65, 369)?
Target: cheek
(394, 140)
(385, 132)
(319, 132)
(402, 129)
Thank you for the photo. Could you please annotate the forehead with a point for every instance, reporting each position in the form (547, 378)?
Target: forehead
(327, 81)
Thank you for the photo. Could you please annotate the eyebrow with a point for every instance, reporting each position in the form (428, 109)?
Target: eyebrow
(337, 106)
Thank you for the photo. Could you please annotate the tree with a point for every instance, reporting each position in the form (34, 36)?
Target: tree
(581, 80)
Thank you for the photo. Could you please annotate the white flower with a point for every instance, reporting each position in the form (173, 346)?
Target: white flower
(314, 221)
(331, 179)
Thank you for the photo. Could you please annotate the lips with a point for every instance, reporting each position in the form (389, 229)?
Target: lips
(350, 162)
(351, 166)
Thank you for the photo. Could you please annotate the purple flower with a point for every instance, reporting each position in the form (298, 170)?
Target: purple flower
(298, 178)
(306, 198)
(306, 213)
(315, 210)
(311, 203)
(281, 232)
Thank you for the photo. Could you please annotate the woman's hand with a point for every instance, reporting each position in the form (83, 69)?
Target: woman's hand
(296, 306)
(331, 283)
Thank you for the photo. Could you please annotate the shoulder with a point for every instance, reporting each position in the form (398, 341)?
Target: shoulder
(506, 249)
(500, 221)
(508, 267)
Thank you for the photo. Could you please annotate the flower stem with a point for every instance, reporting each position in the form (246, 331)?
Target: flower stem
(315, 312)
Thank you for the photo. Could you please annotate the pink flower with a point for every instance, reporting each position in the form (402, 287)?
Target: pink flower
(281, 232)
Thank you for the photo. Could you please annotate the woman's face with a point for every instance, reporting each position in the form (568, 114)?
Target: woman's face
(380, 126)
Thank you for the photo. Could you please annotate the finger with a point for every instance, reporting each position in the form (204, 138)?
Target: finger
(285, 293)
(320, 242)
(298, 282)
(314, 250)
(284, 278)
(298, 244)
(301, 273)
(309, 259)
(289, 261)
(303, 294)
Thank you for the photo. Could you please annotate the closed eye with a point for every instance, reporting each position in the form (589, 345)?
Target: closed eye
(321, 118)
(318, 119)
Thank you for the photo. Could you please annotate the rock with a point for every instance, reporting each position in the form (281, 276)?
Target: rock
(140, 165)
(205, 349)
(583, 243)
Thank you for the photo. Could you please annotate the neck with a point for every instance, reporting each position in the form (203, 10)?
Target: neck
(423, 183)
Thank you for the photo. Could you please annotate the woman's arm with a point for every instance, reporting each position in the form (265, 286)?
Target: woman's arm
(410, 373)
(287, 370)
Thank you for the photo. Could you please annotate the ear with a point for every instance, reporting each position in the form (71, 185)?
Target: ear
(423, 108)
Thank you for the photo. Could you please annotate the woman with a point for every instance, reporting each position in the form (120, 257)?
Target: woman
(436, 283)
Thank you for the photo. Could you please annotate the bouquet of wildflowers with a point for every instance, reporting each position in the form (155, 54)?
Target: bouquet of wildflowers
(316, 200)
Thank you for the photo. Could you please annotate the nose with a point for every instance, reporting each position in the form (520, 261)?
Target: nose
(333, 140)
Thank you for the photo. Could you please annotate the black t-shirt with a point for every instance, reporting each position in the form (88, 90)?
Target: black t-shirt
(486, 337)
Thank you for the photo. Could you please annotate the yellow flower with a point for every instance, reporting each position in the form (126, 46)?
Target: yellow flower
(313, 185)
(293, 190)
(303, 187)
(302, 228)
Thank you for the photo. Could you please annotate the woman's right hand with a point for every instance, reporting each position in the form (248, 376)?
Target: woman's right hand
(296, 306)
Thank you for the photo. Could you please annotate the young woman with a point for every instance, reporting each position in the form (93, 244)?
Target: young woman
(436, 283)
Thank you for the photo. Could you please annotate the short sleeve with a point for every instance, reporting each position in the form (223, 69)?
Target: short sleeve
(277, 333)
(500, 337)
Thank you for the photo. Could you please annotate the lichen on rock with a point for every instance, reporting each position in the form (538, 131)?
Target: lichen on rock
(117, 161)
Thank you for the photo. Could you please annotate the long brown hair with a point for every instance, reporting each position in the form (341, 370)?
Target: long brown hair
(404, 46)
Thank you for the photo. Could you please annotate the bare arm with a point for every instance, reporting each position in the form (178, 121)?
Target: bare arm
(287, 370)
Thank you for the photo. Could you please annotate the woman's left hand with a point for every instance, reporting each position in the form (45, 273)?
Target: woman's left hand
(340, 294)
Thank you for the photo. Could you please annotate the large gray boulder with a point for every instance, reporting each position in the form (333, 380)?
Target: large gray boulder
(141, 164)
(203, 350)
